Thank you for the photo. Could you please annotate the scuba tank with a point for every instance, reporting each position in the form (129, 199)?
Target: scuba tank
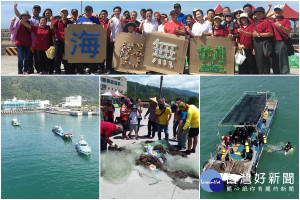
(223, 153)
(265, 139)
(247, 147)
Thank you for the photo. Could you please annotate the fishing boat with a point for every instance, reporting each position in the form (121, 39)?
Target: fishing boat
(83, 147)
(15, 122)
(58, 130)
(243, 133)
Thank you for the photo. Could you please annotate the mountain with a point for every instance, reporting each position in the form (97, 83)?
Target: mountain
(136, 90)
(49, 88)
(184, 92)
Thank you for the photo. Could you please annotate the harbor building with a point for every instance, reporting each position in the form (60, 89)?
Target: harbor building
(15, 104)
(113, 84)
(73, 101)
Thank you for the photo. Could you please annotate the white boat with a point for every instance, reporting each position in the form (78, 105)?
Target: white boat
(58, 130)
(83, 147)
(15, 122)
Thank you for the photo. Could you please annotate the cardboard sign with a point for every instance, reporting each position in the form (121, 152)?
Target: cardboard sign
(129, 53)
(211, 55)
(85, 43)
(165, 53)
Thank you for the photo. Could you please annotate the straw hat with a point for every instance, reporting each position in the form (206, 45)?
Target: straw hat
(153, 99)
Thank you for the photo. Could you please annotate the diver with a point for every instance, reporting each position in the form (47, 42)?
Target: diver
(287, 147)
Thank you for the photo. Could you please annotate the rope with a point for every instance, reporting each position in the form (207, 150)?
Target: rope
(174, 191)
(143, 174)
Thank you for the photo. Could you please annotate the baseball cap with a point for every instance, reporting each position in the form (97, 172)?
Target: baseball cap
(64, 9)
(195, 9)
(259, 9)
(37, 7)
(177, 5)
(278, 7)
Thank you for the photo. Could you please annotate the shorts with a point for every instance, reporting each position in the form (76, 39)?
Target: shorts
(193, 132)
(134, 127)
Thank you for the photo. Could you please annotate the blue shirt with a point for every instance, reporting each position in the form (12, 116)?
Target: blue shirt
(35, 20)
(182, 116)
(181, 18)
(84, 20)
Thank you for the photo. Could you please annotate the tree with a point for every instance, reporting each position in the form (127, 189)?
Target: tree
(193, 100)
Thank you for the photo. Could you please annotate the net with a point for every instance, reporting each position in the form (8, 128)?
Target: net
(247, 110)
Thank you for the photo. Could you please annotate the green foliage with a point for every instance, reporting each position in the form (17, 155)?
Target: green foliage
(52, 88)
(144, 92)
(193, 100)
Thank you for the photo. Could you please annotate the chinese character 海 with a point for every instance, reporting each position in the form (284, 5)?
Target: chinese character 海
(89, 43)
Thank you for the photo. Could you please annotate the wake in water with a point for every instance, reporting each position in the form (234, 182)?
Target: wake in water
(279, 148)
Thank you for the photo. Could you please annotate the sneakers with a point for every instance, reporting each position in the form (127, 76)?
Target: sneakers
(174, 139)
(136, 137)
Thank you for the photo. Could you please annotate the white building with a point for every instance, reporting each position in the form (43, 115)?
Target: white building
(72, 101)
(14, 103)
(113, 83)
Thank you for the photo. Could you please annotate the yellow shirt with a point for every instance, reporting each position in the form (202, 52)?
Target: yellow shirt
(265, 114)
(162, 120)
(193, 117)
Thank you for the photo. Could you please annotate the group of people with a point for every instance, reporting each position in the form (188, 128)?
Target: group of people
(34, 34)
(185, 123)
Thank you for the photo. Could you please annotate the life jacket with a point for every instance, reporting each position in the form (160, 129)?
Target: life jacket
(247, 147)
(265, 139)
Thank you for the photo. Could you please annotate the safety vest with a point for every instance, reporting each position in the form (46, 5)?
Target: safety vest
(223, 153)
(247, 147)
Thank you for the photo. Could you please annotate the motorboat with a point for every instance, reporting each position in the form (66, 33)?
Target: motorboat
(83, 147)
(15, 122)
(58, 130)
(243, 133)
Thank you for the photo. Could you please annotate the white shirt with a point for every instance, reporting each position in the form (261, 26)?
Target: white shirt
(116, 27)
(161, 28)
(201, 28)
(150, 26)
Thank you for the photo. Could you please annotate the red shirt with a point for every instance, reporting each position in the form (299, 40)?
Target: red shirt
(244, 39)
(285, 23)
(105, 25)
(222, 31)
(23, 36)
(263, 26)
(110, 112)
(60, 28)
(41, 39)
(107, 128)
(169, 27)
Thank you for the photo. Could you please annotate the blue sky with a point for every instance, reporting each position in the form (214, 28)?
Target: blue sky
(161, 6)
(191, 83)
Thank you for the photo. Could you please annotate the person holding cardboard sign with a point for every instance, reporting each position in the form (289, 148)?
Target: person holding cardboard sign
(174, 26)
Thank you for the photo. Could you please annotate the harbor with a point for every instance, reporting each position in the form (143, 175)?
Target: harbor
(36, 159)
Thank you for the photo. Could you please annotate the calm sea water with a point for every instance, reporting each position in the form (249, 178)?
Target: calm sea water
(36, 163)
(218, 95)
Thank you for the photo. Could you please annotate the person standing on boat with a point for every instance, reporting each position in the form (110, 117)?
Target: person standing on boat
(152, 126)
(163, 116)
(107, 129)
(265, 116)
(193, 120)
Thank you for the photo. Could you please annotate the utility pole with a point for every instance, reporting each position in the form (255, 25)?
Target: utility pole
(81, 7)
(160, 88)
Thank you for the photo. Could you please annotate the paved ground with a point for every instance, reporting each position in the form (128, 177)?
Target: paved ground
(136, 187)
(9, 66)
